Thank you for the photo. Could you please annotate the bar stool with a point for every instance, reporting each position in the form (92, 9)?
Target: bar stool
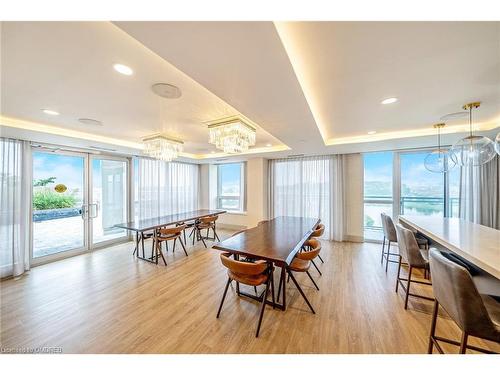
(414, 257)
(390, 235)
(165, 235)
(476, 314)
(254, 274)
(318, 232)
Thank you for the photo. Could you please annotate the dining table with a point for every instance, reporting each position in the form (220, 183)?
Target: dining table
(140, 226)
(276, 241)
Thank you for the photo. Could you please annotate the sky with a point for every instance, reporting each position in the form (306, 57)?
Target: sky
(67, 169)
(230, 178)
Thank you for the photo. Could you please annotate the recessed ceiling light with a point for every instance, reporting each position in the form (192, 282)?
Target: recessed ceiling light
(372, 132)
(166, 90)
(90, 121)
(50, 112)
(269, 145)
(123, 69)
(389, 100)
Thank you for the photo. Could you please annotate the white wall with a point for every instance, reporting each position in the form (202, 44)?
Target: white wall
(256, 194)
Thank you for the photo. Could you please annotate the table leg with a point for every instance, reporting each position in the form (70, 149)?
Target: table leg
(283, 279)
(136, 249)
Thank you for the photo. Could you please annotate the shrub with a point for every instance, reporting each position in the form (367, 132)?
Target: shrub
(48, 199)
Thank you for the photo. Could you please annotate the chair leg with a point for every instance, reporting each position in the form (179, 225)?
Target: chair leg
(142, 245)
(272, 285)
(255, 290)
(383, 248)
(308, 274)
(433, 327)
(223, 297)
(387, 256)
(300, 291)
(184, 232)
(158, 252)
(216, 236)
(315, 266)
(279, 287)
(173, 247)
(408, 287)
(263, 306)
(463, 343)
(201, 237)
(399, 272)
(322, 261)
(183, 247)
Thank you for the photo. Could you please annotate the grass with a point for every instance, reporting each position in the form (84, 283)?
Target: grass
(47, 199)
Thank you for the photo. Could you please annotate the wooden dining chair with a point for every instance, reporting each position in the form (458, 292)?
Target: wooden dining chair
(415, 257)
(249, 273)
(302, 263)
(207, 223)
(476, 314)
(168, 234)
(318, 232)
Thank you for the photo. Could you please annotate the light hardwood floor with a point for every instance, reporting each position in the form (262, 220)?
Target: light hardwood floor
(110, 302)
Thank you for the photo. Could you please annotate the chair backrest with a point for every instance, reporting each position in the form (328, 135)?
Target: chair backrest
(315, 246)
(171, 231)
(243, 268)
(388, 227)
(408, 247)
(209, 219)
(455, 291)
(318, 231)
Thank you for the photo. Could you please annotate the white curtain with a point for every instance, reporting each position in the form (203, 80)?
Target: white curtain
(15, 181)
(166, 188)
(480, 194)
(309, 187)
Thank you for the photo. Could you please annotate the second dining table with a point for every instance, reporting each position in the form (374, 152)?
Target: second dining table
(276, 241)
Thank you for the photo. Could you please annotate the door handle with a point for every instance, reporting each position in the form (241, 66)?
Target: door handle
(83, 211)
(96, 205)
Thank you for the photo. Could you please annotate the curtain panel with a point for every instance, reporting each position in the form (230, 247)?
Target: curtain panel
(480, 194)
(310, 187)
(166, 188)
(15, 201)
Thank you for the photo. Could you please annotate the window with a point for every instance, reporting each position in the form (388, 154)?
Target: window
(397, 183)
(230, 186)
(378, 192)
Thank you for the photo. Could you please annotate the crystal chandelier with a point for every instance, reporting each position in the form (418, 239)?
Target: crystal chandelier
(497, 143)
(473, 150)
(439, 161)
(231, 135)
(161, 147)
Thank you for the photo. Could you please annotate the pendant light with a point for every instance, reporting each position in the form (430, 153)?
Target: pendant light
(497, 144)
(439, 161)
(473, 150)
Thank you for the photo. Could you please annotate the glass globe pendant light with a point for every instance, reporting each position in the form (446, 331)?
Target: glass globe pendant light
(473, 150)
(439, 161)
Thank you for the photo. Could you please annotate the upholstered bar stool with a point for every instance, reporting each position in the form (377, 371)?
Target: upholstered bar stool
(415, 257)
(318, 232)
(391, 237)
(476, 314)
(249, 273)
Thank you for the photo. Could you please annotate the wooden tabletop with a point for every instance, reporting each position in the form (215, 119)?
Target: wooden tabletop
(140, 225)
(277, 240)
(476, 243)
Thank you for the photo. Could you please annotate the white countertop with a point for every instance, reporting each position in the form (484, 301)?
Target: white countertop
(476, 243)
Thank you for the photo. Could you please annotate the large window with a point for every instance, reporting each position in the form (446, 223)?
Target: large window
(397, 183)
(231, 187)
(378, 191)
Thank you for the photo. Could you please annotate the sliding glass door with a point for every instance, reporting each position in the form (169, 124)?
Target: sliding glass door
(77, 199)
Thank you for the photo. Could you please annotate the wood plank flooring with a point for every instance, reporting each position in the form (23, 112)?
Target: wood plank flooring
(110, 302)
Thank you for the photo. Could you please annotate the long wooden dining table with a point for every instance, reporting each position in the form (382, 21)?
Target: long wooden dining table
(276, 241)
(139, 226)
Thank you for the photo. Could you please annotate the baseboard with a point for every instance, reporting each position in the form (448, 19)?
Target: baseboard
(231, 226)
(354, 239)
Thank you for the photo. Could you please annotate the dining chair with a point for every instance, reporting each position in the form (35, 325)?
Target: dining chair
(206, 223)
(476, 314)
(168, 234)
(249, 273)
(415, 258)
(318, 232)
(188, 225)
(390, 236)
(301, 263)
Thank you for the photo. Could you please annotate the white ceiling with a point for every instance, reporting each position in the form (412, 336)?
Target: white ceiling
(68, 67)
(315, 87)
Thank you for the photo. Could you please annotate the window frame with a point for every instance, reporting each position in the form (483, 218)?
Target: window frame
(242, 192)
